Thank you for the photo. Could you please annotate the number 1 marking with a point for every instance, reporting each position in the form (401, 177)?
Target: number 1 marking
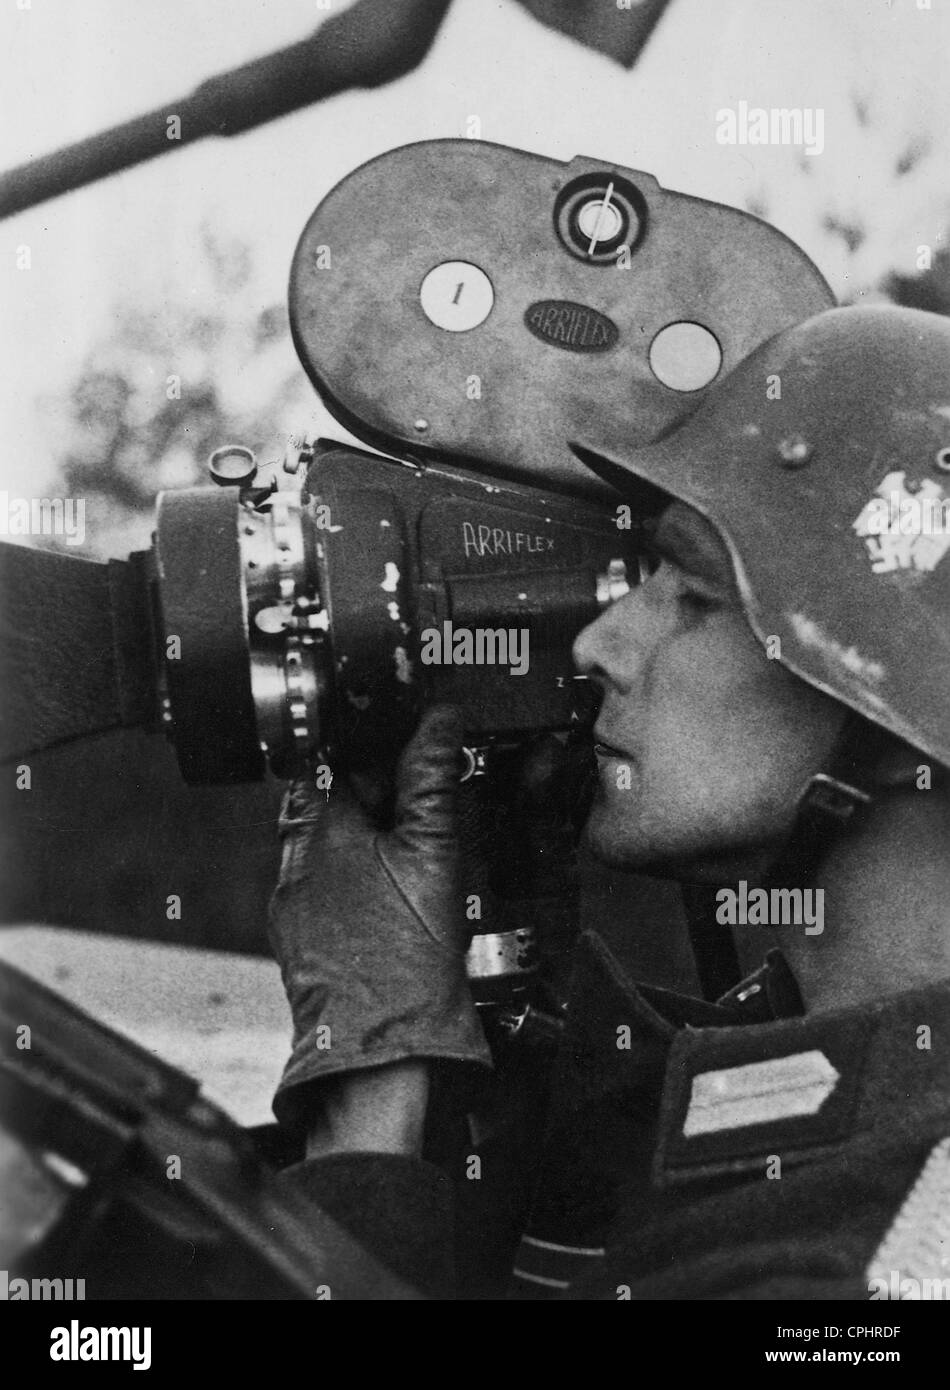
(458, 292)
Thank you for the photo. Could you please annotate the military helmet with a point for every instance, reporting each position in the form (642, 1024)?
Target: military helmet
(823, 461)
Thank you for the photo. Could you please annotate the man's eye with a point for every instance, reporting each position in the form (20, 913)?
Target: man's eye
(695, 601)
(693, 598)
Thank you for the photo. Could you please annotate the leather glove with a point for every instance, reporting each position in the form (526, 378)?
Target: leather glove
(369, 928)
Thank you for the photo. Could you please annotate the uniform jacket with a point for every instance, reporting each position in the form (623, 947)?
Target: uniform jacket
(737, 1150)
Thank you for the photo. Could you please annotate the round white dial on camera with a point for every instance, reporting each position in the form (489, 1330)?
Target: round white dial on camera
(457, 296)
(685, 356)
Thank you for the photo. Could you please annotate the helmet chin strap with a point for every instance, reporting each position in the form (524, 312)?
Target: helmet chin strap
(831, 802)
(827, 807)
(867, 764)
(832, 797)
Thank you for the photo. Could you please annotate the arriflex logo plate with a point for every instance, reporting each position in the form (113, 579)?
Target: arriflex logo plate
(575, 327)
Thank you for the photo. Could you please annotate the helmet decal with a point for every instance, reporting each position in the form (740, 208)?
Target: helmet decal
(905, 529)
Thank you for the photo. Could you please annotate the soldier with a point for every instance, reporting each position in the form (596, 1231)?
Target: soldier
(774, 726)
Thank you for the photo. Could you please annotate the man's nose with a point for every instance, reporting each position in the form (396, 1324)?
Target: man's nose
(606, 650)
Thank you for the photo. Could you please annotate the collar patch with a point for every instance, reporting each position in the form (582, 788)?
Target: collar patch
(733, 1096)
(759, 1092)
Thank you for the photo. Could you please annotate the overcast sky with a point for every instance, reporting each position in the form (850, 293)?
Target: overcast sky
(71, 67)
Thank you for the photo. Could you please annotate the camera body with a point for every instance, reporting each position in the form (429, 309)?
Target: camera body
(341, 610)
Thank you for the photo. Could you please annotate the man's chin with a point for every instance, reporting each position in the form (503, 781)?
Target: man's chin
(623, 848)
(621, 845)
(611, 843)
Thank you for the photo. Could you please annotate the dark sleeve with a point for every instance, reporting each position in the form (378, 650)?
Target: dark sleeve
(400, 1209)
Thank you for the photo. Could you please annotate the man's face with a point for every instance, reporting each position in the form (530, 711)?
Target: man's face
(705, 744)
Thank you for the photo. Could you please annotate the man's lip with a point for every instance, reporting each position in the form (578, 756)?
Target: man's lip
(610, 750)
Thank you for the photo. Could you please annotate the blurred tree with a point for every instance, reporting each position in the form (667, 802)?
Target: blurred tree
(864, 232)
(174, 379)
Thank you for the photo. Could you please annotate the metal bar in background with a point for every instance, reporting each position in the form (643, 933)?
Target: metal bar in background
(369, 45)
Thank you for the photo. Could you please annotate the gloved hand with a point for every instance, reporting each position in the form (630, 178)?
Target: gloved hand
(369, 928)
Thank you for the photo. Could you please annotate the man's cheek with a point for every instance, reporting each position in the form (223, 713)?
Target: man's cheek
(615, 811)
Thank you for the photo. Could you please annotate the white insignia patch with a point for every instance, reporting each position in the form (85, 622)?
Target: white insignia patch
(759, 1093)
(903, 529)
